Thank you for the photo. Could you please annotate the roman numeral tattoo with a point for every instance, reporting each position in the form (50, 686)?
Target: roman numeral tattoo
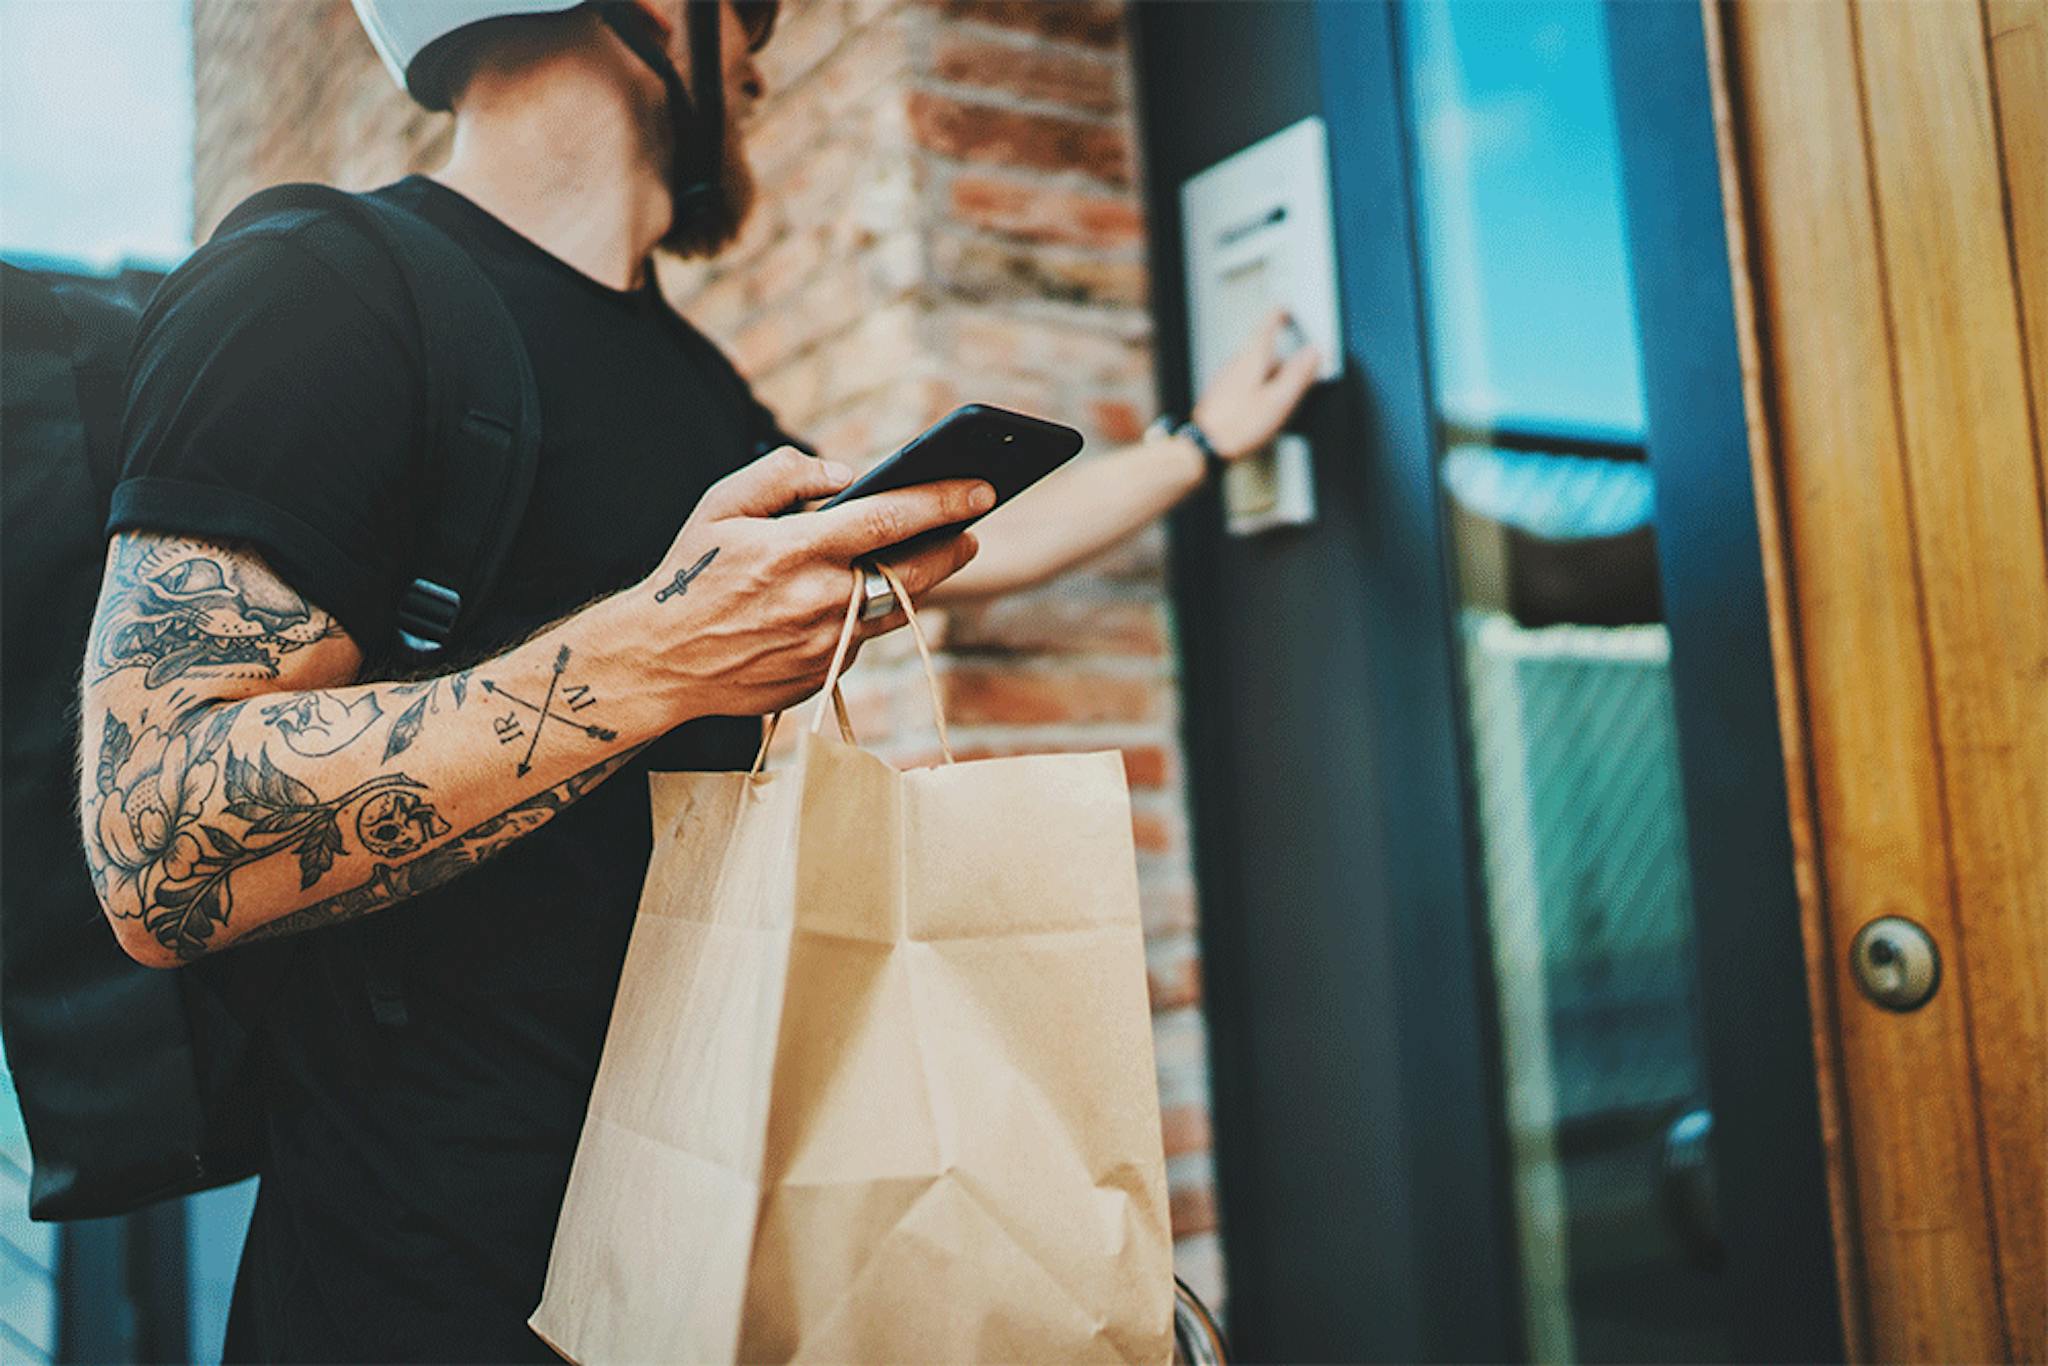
(510, 729)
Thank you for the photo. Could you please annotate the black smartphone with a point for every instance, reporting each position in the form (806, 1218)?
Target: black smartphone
(1010, 450)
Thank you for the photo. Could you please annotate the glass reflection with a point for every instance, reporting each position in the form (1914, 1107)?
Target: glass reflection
(1535, 376)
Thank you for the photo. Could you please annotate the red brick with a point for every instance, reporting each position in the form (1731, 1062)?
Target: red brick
(1185, 1129)
(1193, 1209)
(1146, 766)
(1175, 984)
(1042, 213)
(985, 268)
(1154, 833)
(1080, 81)
(1140, 559)
(829, 304)
(983, 340)
(720, 306)
(849, 437)
(804, 34)
(1008, 137)
(1116, 420)
(785, 265)
(1058, 623)
(985, 696)
(1092, 23)
(872, 354)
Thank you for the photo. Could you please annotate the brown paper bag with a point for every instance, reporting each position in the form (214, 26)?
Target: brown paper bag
(879, 1083)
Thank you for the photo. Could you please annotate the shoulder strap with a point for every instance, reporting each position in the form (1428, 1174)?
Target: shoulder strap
(482, 410)
(99, 367)
(89, 331)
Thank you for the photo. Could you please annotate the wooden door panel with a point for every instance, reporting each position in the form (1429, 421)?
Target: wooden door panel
(2019, 79)
(1904, 456)
(1962, 393)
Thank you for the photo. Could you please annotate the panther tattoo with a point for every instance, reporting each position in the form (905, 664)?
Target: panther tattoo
(175, 606)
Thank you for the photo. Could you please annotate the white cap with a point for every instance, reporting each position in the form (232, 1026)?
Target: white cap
(401, 30)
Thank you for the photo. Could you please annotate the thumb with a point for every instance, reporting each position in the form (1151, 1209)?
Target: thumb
(778, 480)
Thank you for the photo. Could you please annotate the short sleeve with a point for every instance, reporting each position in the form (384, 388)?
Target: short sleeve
(273, 400)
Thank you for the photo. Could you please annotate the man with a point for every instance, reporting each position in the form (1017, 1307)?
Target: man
(250, 771)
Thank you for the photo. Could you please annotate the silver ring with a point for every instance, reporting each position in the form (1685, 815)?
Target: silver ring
(878, 599)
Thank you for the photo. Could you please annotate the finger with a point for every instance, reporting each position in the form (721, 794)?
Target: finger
(929, 567)
(881, 520)
(777, 480)
(1294, 378)
(922, 572)
(1266, 343)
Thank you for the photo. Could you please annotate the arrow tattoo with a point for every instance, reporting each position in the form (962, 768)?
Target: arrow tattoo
(684, 576)
(594, 732)
(554, 680)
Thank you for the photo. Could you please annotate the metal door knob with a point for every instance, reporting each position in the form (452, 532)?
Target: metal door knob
(1895, 962)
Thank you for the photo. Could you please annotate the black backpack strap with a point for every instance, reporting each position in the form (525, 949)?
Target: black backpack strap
(482, 411)
(481, 442)
(104, 335)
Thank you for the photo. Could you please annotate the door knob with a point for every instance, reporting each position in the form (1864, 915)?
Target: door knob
(1895, 962)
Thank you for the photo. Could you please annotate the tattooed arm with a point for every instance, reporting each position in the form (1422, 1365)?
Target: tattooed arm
(235, 781)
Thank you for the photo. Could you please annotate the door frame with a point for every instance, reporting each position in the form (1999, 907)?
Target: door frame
(1424, 1214)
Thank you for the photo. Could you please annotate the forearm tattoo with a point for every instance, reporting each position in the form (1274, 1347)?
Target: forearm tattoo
(173, 607)
(391, 882)
(176, 806)
(527, 720)
(161, 849)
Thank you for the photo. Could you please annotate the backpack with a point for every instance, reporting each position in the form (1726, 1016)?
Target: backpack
(133, 1083)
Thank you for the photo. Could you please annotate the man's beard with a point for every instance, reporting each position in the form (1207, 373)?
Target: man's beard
(714, 225)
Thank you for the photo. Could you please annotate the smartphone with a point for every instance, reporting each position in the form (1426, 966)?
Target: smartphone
(1009, 450)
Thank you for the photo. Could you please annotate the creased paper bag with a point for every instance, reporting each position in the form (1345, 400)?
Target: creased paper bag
(879, 1083)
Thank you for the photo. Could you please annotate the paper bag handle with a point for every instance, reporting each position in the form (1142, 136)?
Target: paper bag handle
(831, 689)
(773, 719)
(924, 653)
(837, 669)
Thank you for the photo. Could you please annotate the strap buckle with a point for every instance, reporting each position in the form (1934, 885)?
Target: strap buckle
(426, 615)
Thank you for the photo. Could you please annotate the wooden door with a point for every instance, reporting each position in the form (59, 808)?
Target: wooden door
(1886, 169)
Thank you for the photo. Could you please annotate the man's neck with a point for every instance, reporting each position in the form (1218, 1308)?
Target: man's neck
(562, 162)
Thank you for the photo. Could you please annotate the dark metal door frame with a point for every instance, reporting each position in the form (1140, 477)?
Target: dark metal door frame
(1755, 1021)
(1360, 1149)
(1363, 1208)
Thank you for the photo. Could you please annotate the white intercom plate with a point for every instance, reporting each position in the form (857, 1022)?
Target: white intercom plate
(1257, 236)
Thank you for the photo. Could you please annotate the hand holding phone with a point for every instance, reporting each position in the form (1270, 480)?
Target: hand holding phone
(1011, 451)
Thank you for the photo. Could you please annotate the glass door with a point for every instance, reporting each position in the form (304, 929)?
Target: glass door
(1535, 376)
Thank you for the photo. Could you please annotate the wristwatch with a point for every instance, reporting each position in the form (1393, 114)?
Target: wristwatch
(1170, 425)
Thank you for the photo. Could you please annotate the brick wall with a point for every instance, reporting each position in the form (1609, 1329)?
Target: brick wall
(948, 214)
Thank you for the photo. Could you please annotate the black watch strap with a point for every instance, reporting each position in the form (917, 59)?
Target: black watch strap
(1212, 460)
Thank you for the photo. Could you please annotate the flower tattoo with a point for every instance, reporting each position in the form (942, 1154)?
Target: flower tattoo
(152, 792)
(166, 865)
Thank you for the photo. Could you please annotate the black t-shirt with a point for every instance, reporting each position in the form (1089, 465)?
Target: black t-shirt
(416, 1171)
